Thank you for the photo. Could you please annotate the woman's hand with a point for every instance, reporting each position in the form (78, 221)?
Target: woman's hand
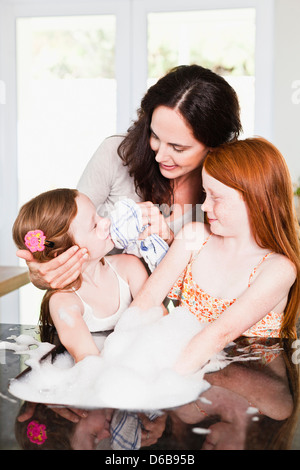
(156, 222)
(71, 414)
(57, 273)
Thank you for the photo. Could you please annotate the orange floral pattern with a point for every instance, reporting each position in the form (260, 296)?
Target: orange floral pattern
(208, 308)
(262, 350)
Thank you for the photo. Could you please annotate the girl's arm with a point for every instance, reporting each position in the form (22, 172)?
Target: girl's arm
(269, 289)
(168, 271)
(66, 312)
(265, 390)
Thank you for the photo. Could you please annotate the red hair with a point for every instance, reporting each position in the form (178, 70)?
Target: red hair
(257, 169)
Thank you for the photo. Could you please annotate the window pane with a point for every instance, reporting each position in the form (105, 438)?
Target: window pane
(66, 106)
(221, 40)
(66, 97)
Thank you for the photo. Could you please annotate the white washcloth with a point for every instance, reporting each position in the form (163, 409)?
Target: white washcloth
(126, 226)
(126, 430)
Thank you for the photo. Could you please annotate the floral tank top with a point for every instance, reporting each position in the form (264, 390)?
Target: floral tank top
(208, 308)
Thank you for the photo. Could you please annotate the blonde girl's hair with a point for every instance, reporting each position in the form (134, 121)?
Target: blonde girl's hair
(256, 168)
(52, 212)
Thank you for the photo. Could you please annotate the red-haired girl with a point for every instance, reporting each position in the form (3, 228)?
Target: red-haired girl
(239, 274)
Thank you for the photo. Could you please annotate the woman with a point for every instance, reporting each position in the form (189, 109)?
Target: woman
(182, 116)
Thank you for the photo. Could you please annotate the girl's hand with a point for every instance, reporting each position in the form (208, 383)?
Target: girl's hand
(57, 273)
(156, 222)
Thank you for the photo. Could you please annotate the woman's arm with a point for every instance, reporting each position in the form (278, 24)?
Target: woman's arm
(103, 172)
(66, 312)
(269, 289)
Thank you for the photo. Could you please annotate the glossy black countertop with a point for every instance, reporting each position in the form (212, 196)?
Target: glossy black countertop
(250, 404)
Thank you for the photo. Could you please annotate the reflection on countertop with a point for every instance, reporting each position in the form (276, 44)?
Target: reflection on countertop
(252, 403)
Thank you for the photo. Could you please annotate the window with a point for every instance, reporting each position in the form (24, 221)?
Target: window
(221, 40)
(66, 104)
(81, 69)
(66, 97)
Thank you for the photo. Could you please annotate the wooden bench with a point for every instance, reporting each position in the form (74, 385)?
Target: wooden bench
(12, 277)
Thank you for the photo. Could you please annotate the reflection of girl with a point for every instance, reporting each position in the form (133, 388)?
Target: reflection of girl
(40, 427)
(241, 273)
(184, 114)
(95, 301)
(249, 405)
(47, 430)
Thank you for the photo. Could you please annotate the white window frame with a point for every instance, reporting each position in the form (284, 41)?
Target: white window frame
(264, 50)
(131, 76)
(10, 10)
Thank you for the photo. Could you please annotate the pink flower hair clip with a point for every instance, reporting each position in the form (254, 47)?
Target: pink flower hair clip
(35, 240)
(36, 433)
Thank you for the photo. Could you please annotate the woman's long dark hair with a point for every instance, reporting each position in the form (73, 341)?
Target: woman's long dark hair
(210, 108)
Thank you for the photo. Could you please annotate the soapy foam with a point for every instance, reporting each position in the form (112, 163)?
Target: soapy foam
(134, 370)
(201, 431)
(5, 397)
(22, 345)
(252, 410)
(65, 317)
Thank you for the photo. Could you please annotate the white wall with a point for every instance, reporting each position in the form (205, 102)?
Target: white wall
(8, 170)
